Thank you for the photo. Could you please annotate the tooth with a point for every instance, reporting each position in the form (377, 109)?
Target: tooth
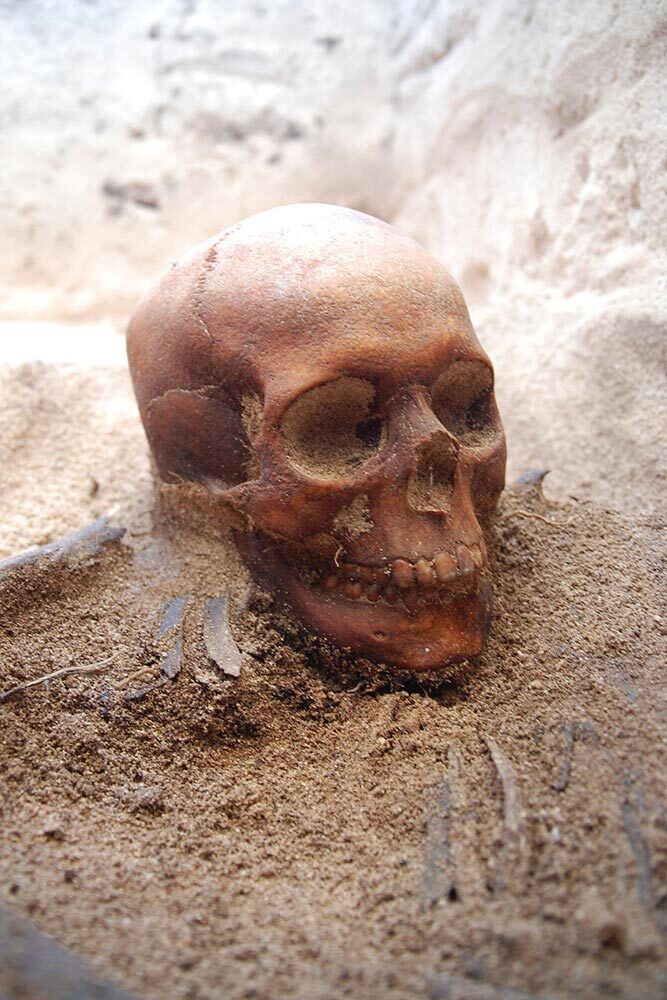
(401, 574)
(366, 574)
(331, 582)
(372, 593)
(424, 573)
(390, 594)
(352, 590)
(464, 557)
(380, 576)
(477, 556)
(445, 567)
(350, 572)
(411, 598)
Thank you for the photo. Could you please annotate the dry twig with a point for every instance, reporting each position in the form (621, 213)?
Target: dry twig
(535, 517)
(90, 668)
(137, 675)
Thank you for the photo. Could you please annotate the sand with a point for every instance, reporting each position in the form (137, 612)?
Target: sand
(72, 446)
(318, 828)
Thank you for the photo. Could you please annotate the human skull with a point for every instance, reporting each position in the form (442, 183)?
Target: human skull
(317, 371)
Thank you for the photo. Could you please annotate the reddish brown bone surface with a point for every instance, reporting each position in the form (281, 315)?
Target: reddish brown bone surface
(318, 371)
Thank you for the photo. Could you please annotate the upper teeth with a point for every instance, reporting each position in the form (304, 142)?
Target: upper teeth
(404, 578)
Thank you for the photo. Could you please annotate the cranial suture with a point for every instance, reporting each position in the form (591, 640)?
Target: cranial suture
(318, 373)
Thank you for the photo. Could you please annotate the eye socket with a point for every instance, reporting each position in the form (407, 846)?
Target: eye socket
(369, 432)
(331, 430)
(463, 402)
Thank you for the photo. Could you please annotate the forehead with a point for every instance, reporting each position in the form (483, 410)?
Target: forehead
(299, 300)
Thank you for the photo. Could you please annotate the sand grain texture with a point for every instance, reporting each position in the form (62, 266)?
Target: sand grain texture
(315, 828)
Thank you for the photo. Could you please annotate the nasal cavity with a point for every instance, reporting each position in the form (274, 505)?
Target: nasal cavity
(431, 485)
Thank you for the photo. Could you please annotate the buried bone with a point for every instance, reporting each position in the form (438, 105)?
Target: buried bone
(317, 372)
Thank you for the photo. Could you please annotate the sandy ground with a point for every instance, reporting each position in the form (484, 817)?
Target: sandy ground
(72, 446)
(314, 828)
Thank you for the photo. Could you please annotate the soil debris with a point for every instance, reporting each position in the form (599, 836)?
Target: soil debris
(319, 826)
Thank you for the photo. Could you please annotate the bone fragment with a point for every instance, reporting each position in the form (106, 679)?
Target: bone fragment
(563, 779)
(440, 874)
(75, 551)
(512, 859)
(532, 479)
(218, 638)
(172, 629)
(170, 637)
(631, 812)
(33, 965)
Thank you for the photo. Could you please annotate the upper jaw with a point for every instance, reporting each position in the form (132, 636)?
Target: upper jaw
(448, 623)
(409, 584)
(414, 583)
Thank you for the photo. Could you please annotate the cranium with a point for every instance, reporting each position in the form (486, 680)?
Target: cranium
(317, 371)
